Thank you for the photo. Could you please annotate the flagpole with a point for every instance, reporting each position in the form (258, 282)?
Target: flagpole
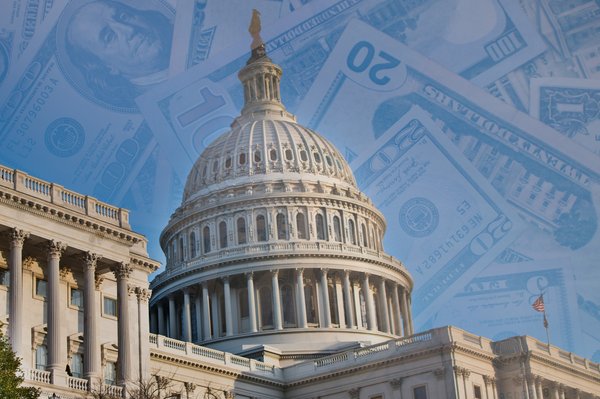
(547, 332)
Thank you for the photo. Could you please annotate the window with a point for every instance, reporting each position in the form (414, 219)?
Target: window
(41, 288)
(223, 235)
(228, 162)
(303, 156)
(288, 306)
(281, 227)
(257, 156)
(109, 306)
(266, 307)
(351, 231)
(301, 226)
(77, 365)
(319, 221)
(261, 228)
(273, 154)
(215, 166)
(241, 230)
(75, 297)
(419, 392)
(4, 277)
(192, 244)
(477, 391)
(206, 239)
(337, 229)
(364, 234)
(181, 257)
(317, 157)
(328, 159)
(243, 303)
(333, 305)
(41, 357)
(311, 305)
(242, 159)
(289, 155)
(110, 373)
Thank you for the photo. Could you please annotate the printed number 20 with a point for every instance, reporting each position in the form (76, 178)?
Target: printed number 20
(361, 57)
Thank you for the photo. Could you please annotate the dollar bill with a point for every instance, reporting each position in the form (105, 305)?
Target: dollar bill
(191, 109)
(571, 106)
(204, 25)
(68, 113)
(497, 303)
(570, 29)
(19, 21)
(361, 92)
(445, 240)
(589, 313)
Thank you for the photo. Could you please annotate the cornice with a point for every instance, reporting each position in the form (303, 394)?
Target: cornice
(217, 369)
(72, 218)
(144, 263)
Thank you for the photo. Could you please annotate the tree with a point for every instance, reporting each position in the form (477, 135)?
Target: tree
(11, 375)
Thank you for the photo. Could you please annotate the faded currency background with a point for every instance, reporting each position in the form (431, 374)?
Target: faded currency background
(116, 99)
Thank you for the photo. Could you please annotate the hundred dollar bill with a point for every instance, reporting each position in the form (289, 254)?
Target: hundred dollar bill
(497, 303)
(571, 106)
(589, 313)
(570, 29)
(371, 80)
(19, 21)
(68, 113)
(191, 109)
(445, 221)
(201, 26)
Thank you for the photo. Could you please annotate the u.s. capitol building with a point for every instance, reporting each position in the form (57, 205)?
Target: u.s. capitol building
(276, 286)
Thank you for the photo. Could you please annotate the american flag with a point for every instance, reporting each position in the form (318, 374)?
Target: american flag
(539, 304)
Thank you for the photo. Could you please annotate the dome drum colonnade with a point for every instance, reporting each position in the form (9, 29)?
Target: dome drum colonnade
(273, 234)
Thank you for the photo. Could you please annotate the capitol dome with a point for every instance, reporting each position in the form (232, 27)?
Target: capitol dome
(275, 253)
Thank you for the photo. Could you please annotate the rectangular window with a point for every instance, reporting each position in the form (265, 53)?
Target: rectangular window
(110, 373)
(41, 356)
(77, 365)
(41, 287)
(109, 306)
(76, 297)
(4, 277)
(420, 392)
(477, 391)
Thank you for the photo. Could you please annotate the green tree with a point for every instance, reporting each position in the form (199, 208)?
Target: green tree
(11, 375)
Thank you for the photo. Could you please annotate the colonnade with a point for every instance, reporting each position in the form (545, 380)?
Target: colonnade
(283, 298)
(57, 357)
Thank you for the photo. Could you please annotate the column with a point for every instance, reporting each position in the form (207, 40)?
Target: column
(276, 300)
(205, 312)
(405, 313)
(251, 302)
(301, 299)
(172, 317)
(124, 367)
(371, 317)
(186, 331)
(385, 319)
(531, 388)
(198, 312)
(555, 393)
(561, 389)
(227, 299)
(409, 314)
(487, 381)
(458, 372)
(91, 357)
(161, 319)
(538, 387)
(397, 312)
(325, 295)
(56, 362)
(141, 368)
(349, 312)
(15, 313)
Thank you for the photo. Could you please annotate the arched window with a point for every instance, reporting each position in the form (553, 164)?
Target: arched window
(261, 228)
(241, 230)
(266, 307)
(301, 226)
(181, 252)
(41, 357)
(288, 306)
(77, 365)
(320, 223)
(311, 304)
(337, 229)
(192, 244)
(351, 232)
(223, 234)
(281, 227)
(206, 239)
(364, 234)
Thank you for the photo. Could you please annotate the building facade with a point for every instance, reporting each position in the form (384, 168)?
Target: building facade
(276, 286)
